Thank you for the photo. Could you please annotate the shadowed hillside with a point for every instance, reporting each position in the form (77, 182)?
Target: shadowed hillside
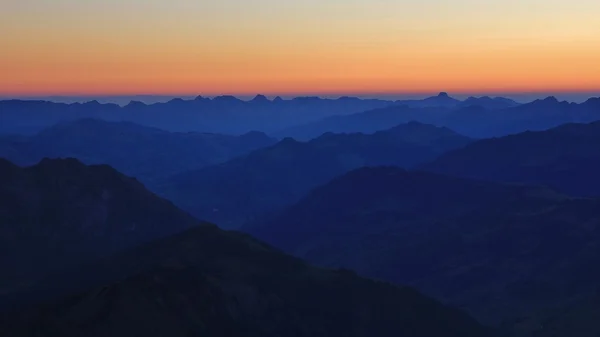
(59, 213)
(266, 180)
(566, 158)
(499, 251)
(202, 281)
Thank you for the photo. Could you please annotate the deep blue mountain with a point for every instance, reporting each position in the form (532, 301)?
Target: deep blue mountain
(511, 253)
(442, 100)
(142, 152)
(477, 120)
(223, 114)
(198, 282)
(61, 212)
(365, 122)
(488, 102)
(566, 158)
(266, 180)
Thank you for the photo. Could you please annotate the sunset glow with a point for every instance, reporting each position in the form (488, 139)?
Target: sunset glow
(268, 46)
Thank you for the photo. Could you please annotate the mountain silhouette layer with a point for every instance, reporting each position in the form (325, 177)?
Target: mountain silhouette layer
(60, 213)
(145, 153)
(223, 114)
(566, 158)
(266, 180)
(201, 281)
(474, 118)
(500, 251)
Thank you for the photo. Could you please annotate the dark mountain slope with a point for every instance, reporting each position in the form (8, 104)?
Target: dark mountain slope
(269, 179)
(60, 213)
(578, 319)
(200, 282)
(139, 151)
(566, 158)
(499, 251)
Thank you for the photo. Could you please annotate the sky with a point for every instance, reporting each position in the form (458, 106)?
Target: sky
(184, 47)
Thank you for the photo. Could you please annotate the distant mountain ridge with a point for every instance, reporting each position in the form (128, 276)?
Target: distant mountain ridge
(143, 152)
(441, 100)
(265, 180)
(477, 118)
(566, 157)
(221, 114)
(489, 102)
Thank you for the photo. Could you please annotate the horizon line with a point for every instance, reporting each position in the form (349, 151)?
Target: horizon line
(303, 94)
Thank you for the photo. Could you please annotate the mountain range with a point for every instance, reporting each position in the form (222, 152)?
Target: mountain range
(195, 280)
(566, 158)
(489, 206)
(505, 253)
(60, 213)
(142, 152)
(223, 114)
(471, 119)
(269, 179)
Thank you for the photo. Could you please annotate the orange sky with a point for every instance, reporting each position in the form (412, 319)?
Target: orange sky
(376, 46)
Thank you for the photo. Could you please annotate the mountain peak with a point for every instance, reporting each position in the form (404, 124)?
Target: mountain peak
(260, 98)
(288, 140)
(255, 135)
(443, 94)
(550, 99)
(278, 99)
(133, 104)
(226, 98)
(176, 100)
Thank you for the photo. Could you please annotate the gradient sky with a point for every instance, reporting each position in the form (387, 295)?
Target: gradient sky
(283, 46)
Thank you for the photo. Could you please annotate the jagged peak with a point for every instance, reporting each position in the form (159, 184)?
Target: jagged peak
(226, 98)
